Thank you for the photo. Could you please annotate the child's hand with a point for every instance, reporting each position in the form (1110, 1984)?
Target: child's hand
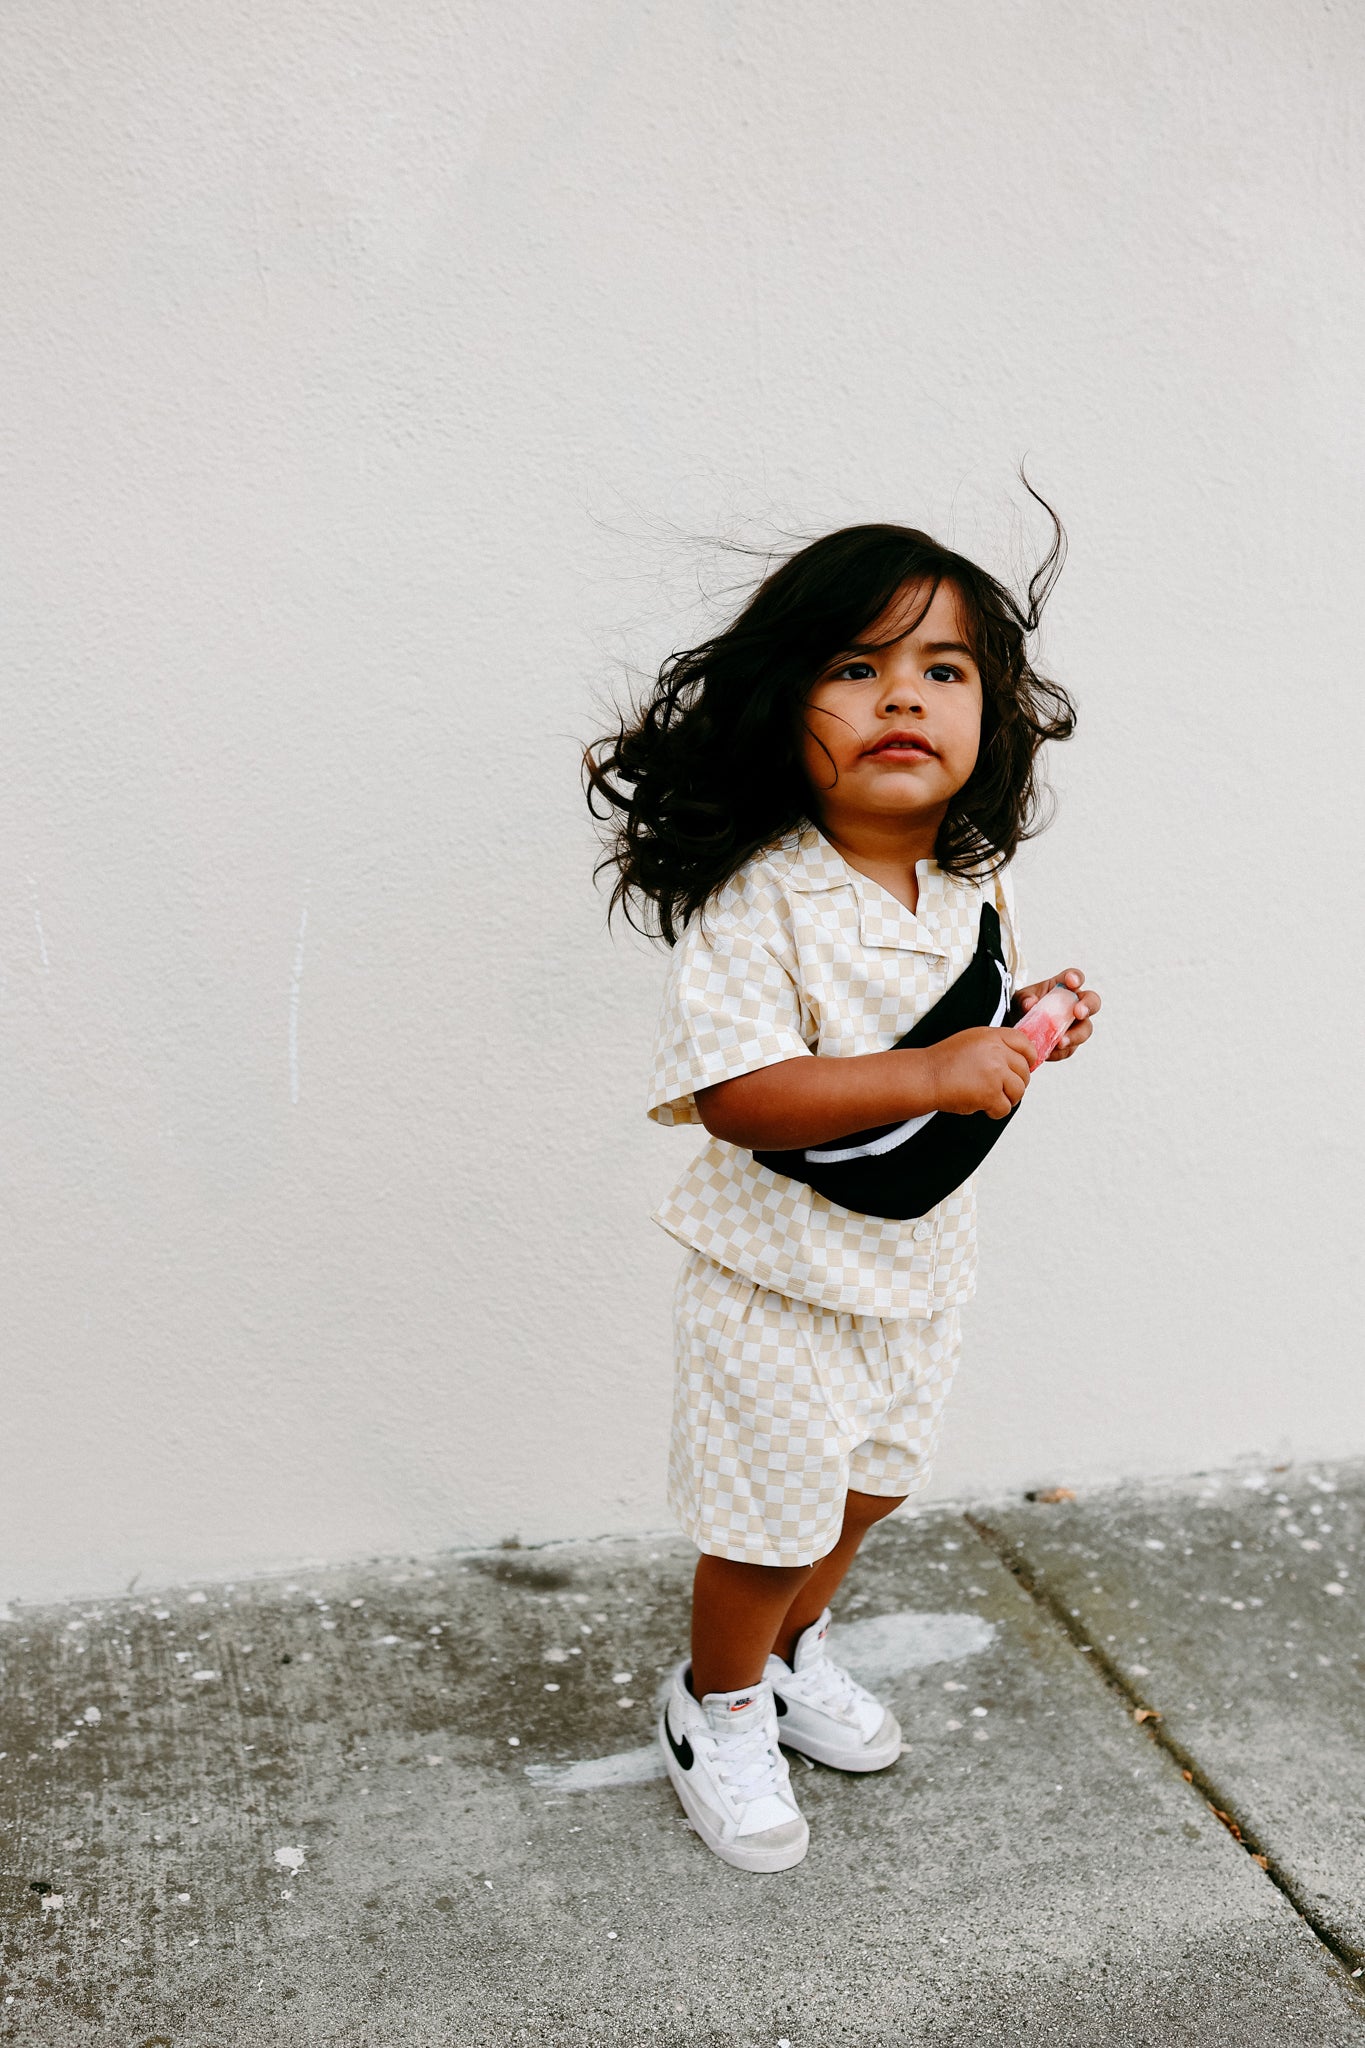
(1087, 1002)
(985, 1069)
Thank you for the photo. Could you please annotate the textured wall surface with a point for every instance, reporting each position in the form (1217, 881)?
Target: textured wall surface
(376, 383)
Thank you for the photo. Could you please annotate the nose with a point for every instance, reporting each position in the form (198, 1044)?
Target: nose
(900, 698)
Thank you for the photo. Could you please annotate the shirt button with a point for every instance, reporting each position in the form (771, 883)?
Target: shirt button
(923, 1230)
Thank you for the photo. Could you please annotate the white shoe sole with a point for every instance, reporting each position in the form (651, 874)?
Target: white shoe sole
(874, 1757)
(735, 1852)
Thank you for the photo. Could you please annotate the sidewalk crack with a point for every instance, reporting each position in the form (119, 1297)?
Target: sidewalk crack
(1149, 1720)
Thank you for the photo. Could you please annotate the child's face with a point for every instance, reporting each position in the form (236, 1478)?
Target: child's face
(902, 723)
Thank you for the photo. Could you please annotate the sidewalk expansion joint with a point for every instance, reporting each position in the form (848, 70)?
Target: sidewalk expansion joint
(1148, 1718)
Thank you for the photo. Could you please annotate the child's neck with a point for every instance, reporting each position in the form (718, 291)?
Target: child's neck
(885, 849)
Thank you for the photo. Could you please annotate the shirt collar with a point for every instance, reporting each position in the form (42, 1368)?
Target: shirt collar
(811, 864)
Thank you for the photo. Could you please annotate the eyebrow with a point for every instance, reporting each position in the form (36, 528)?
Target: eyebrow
(864, 647)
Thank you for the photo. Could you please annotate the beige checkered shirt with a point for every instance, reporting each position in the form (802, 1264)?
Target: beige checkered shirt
(797, 954)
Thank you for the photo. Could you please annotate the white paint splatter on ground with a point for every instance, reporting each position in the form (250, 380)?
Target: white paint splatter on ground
(600, 1773)
(291, 1860)
(883, 1647)
(887, 1645)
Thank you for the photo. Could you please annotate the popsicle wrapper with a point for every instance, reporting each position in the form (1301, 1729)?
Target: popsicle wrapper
(1049, 1017)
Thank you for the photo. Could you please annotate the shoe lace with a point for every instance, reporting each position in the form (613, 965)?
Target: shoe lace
(832, 1687)
(749, 1763)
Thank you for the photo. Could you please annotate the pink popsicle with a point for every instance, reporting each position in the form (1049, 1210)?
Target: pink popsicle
(1048, 1018)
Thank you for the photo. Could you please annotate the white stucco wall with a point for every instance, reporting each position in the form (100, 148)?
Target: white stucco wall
(370, 380)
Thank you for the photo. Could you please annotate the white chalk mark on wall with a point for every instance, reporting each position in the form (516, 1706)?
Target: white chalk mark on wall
(294, 980)
(38, 926)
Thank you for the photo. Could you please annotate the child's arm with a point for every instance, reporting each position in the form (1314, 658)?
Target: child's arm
(807, 1101)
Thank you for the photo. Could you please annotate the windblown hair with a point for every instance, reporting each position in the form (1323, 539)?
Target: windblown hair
(707, 769)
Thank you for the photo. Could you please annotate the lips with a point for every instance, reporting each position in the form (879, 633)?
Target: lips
(903, 743)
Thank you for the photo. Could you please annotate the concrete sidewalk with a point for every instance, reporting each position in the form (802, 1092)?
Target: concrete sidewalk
(419, 1804)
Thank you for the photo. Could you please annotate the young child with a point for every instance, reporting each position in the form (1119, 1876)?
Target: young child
(816, 808)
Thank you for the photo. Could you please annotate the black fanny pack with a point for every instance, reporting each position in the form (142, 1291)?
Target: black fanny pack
(905, 1169)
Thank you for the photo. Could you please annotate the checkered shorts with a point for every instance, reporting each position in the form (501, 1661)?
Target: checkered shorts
(780, 1406)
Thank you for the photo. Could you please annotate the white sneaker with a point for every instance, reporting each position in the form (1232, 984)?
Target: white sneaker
(824, 1713)
(722, 1756)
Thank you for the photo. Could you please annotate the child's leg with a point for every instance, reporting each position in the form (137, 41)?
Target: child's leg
(817, 1590)
(742, 1611)
(737, 1610)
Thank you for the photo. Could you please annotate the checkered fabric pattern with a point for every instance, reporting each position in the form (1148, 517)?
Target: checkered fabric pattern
(780, 1406)
(800, 954)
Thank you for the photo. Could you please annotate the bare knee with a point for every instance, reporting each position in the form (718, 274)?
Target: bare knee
(861, 1510)
(761, 1583)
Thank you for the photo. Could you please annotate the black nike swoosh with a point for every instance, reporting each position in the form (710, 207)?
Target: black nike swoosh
(779, 1703)
(681, 1750)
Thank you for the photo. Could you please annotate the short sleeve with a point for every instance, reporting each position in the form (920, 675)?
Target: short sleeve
(729, 1007)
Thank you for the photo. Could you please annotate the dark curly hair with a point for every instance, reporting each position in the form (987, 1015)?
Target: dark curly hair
(707, 769)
